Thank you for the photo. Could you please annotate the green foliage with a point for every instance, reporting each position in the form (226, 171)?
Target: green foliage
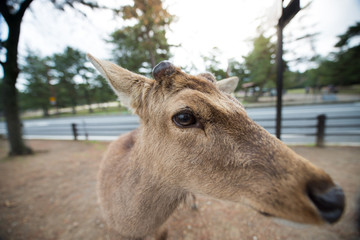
(37, 92)
(66, 66)
(261, 63)
(66, 76)
(234, 68)
(237, 69)
(13, 12)
(213, 64)
(103, 92)
(292, 80)
(350, 33)
(340, 68)
(258, 67)
(139, 47)
(346, 67)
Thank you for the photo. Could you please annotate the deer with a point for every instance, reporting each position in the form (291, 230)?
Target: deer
(195, 138)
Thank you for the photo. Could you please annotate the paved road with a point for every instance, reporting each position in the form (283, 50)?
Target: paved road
(298, 124)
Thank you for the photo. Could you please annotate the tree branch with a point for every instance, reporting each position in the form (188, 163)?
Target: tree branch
(25, 4)
(92, 5)
(4, 10)
(73, 3)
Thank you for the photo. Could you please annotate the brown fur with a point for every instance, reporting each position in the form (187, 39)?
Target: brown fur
(146, 173)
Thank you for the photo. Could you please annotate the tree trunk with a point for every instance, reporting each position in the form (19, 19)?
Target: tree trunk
(152, 59)
(73, 109)
(10, 101)
(87, 97)
(73, 98)
(45, 111)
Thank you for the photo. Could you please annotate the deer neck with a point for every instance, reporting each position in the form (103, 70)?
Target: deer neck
(150, 197)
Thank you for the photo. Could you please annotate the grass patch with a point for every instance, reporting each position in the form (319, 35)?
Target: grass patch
(296, 91)
(85, 112)
(310, 145)
(354, 89)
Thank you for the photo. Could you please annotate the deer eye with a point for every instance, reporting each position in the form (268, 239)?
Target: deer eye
(185, 119)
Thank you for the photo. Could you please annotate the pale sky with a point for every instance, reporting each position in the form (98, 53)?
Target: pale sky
(201, 25)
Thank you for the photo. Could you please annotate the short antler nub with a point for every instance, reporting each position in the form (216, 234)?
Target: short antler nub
(163, 69)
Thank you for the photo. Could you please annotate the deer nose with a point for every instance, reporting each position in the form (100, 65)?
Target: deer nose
(163, 68)
(330, 203)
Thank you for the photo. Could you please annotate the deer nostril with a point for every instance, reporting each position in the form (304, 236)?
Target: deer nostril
(330, 203)
(163, 68)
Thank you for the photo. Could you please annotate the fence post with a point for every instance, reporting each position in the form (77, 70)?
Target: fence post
(74, 130)
(320, 134)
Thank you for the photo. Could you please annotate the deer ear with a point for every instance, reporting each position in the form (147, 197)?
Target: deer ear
(228, 85)
(127, 85)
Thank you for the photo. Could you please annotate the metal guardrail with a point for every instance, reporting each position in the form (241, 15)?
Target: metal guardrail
(319, 128)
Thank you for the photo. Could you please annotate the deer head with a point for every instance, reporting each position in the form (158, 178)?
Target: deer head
(196, 137)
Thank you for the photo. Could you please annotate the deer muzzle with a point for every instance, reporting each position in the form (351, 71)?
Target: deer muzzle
(330, 202)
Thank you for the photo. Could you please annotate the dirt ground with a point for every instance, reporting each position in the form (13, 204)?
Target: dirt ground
(51, 195)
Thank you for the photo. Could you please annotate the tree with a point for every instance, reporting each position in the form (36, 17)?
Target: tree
(141, 46)
(347, 60)
(340, 68)
(13, 12)
(261, 63)
(37, 92)
(350, 33)
(347, 67)
(66, 68)
(236, 68)
(92, 83)
(212, 64)
(103, 92)
(66, 76)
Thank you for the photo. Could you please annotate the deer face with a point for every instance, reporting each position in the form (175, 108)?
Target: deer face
(195, 136)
